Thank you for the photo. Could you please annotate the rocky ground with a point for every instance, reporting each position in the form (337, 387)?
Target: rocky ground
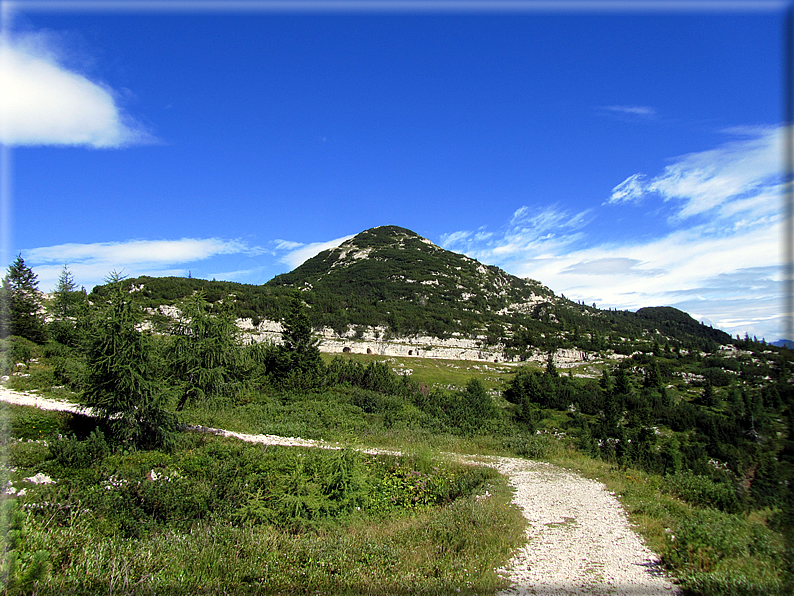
(579, 541)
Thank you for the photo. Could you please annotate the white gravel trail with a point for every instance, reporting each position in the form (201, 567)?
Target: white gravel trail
(579, 541)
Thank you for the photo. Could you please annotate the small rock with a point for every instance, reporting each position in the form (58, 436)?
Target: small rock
(40, 479)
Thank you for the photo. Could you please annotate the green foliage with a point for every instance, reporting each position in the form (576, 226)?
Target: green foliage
(703, 492)
(20, 295)
(20, 567)
(71, 452)
(120, 385)
(206, 358)
(298, 342)
(16, 351)
(707, 539)
(69, 310)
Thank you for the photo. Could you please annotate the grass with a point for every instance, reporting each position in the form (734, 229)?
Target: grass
(418, 525)
(712, 552)
(437, 372)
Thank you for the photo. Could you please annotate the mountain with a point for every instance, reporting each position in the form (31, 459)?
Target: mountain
(390, 275)
(783, 343)
(392, 279)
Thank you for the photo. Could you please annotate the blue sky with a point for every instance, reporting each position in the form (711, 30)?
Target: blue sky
(625, 157)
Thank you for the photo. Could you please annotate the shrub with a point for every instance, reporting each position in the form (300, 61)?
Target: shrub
(70, 452)
(702, 491)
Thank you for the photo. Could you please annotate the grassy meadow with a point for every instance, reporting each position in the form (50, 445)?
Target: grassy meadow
(213, 515)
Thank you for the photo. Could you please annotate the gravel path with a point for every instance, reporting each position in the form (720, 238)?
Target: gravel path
(579, 541)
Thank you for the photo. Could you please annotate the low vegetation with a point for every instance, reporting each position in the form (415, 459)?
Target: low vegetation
(697, 445)
(219, 516)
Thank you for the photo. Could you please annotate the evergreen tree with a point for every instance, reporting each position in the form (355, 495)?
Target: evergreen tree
(207, 354)
(709, 397)
(478, 403)
(622, 382)
(69, 310)
(524, 387)
(63, 299)
(120, 385)
(300, 346)
(606, 381)
(551, 370)
(653, 376)
(23, 316)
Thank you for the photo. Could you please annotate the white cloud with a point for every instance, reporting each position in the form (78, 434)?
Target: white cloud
(531, 230)
(631, 189)
(644, 111)
(298, 257)
(43, 103)
(138, 251)
(287, 245)
(91, 263)
(717, 182)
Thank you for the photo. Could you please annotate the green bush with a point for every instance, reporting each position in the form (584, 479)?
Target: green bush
(702, 491)
(27, 454)
(71, 452)
(713, 542)
(20, 566)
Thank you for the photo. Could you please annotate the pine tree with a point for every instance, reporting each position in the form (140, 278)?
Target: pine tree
(120, 385)
(551, 369)
(69, 310)
(622, 381)
(23, 316)
(207, 354)
(298, 342)
(63, 295)
(653, 376)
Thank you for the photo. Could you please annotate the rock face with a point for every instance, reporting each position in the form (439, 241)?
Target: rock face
(376, 340)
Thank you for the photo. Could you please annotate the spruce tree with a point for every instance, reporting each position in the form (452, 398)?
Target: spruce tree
(22, 316)
(69, 311)
(299, 344)
(63, 295)
(120, 385)
(207, 355)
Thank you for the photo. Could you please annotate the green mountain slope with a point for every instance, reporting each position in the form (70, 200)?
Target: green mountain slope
(391, 276)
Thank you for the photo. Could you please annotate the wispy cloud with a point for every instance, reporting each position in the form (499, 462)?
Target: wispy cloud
(91, 263)
(610, 266)
(287, 245)
(632, 189)
(44, 103)
(639, 111)
(298, 256)
(531, 230)
(723, 266)
(736, 176)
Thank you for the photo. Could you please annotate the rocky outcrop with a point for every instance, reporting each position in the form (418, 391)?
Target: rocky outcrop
(378, 341)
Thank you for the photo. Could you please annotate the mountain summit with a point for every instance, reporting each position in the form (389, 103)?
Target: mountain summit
(392, 277)
(405, 274)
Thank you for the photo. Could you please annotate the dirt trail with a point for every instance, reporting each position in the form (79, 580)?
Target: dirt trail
(579, 541)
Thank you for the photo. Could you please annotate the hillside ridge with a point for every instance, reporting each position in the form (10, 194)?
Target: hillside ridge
(396, 293)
